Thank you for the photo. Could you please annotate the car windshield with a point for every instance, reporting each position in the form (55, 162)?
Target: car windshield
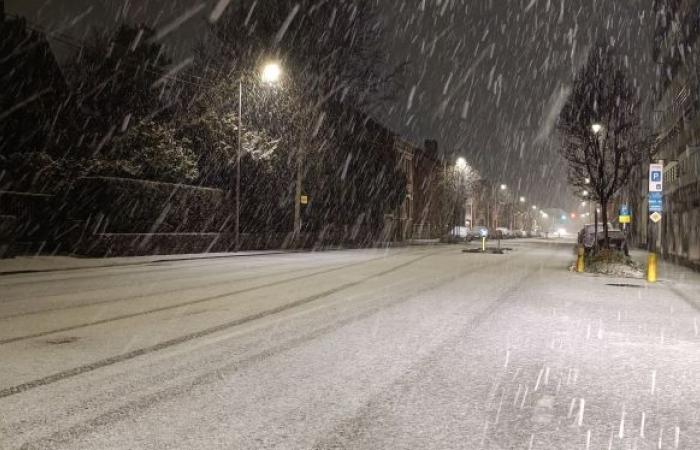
(350, 224)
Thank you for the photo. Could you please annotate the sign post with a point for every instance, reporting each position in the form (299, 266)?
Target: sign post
(625, 217)
(656, 208)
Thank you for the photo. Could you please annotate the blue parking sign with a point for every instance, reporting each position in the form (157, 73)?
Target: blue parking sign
(656, 202)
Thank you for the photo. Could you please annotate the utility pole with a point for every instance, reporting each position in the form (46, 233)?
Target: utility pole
(297, 196)
(238, 165)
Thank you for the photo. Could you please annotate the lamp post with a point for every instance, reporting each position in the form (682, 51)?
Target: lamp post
(460, 167)
(270, 74)
(596, 128)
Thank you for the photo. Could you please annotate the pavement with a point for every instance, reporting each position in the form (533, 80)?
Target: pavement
(46, 263)
(419, 347)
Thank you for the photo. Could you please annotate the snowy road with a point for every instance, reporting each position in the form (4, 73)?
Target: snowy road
(409, 348)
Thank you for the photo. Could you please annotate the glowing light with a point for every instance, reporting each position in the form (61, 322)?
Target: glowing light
(271, 73)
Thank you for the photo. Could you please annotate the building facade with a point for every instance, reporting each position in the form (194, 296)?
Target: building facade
(677, 129)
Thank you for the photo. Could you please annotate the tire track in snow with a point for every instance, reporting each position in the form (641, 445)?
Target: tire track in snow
(59, 376)
(170, 291)
(183, 304)
(214, 375)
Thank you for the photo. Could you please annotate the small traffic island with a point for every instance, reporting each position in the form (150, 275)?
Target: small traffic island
(488, 251)
(610, 263)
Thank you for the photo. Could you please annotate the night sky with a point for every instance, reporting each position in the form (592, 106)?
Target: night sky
(485, 77)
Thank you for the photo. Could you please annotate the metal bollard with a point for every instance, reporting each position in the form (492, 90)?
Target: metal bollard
(651, 268)
(581, 260)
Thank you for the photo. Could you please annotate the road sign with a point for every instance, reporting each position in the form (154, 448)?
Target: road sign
(656, 202)
(625, 216)
(656, 178)
(656, 217)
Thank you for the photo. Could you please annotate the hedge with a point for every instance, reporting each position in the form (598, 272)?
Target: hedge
(120, 205)
(35, 214)
(8, 229)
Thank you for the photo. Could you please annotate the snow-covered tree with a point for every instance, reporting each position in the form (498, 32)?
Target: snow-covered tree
(150, 151)
(600, 129)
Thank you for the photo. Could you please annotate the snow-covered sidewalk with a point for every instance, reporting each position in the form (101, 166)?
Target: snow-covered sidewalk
(30, 264)
(683, 281)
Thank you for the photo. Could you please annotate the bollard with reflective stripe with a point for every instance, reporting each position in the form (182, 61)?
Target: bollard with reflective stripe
(651, 268)
(581, 261)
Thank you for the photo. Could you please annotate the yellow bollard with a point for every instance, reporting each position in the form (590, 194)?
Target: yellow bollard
(483, 244)
(581, 261)
(651, 268)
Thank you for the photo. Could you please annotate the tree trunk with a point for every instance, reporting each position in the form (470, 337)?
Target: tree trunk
(604, 211)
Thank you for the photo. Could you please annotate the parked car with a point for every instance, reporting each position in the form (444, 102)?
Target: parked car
(520, 234)
(616, 237)
(477, 233)
(459, 232)
(502, 233)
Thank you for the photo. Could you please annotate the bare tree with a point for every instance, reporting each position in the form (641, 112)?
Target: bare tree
(600, 129)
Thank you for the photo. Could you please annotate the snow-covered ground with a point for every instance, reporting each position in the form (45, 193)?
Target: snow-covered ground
(423, 347)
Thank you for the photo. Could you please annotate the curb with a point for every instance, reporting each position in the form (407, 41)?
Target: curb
(140, 263)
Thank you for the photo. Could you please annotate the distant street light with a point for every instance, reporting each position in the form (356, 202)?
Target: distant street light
(461, 163)
(585, 193)
(587, 181)
(597, 128)
(504, 187)
(534, 207)
(270, 74)
(522, 199)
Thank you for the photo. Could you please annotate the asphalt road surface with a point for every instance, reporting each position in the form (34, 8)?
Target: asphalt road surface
(423, 347)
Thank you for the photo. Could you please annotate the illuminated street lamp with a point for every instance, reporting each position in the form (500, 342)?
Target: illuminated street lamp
(597, 128)
(504, 187)
(534, 207)
(461, 163)
(270, 74)
(522, 199)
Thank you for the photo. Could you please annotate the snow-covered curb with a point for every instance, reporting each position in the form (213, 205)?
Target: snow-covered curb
(615, 269)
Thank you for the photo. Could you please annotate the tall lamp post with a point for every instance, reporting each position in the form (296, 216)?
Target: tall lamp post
(596, 128)
(460, 166)
(271, 74)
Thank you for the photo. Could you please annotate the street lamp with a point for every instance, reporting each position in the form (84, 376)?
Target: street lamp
(461, 163)
(460, 166)
(597, 128)
(522, 199)
(270, 74)
(504, 187)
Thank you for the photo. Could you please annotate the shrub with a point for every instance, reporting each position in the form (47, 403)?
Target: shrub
(149, 151)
